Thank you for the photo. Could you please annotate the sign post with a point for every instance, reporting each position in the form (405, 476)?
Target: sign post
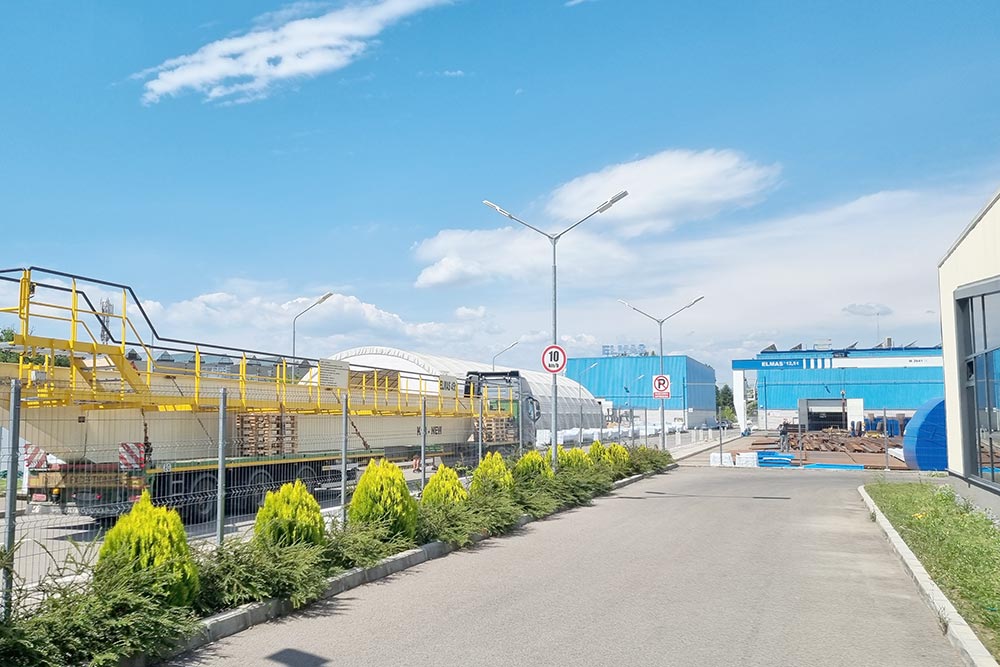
(554, 361)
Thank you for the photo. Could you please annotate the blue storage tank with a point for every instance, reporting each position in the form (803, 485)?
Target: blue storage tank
(925, 443)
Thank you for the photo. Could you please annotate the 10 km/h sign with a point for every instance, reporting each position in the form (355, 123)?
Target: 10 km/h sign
(661, 386)
(554, 359)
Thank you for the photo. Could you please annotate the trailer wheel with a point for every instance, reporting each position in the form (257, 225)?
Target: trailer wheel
(308, 476)
(202, 504)
(260, 483)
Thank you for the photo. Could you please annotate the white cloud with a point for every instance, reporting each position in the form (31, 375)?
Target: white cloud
(246, 67)
(867, 309)
(666, 188)
(574, 3)
(453, 73)
(290, 12)
(466, 313)
(460, 255)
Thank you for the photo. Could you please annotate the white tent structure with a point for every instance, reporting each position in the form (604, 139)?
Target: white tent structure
(572, 396)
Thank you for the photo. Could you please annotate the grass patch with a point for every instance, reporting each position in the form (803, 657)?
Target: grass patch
(957, 545)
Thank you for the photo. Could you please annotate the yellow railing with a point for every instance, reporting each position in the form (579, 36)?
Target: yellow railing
(78, 368)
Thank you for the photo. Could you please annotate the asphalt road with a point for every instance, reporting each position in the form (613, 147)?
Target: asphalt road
(704, 566)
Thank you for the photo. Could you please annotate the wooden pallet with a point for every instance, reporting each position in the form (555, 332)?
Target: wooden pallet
(266, 434)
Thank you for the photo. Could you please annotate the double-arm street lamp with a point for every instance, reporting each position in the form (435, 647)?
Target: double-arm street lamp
(554, 239)
(501, 352)
(659, 321)
(314, 304)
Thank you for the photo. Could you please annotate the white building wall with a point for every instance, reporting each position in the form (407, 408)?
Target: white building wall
(975, 257)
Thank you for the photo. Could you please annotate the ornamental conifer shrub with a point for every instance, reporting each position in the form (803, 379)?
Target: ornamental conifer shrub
(531, 468)
(598, 452)
(492, 476)
(382, 496)
(619, 459)
(573, 459)
(151, 537)
(444, 488)
(290, 515)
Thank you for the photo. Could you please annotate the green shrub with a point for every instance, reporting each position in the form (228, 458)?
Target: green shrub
(150, 537)
(290, 515)
(240, 571)
(85, 622)
(363, 544)
(618, 459)
(450, 522)
(597, 452)
(578, 484)
(530, 468)
(494, 513)
(382, 496)
(573, 458)
(643, 459)
(492, 476)
(444, 488)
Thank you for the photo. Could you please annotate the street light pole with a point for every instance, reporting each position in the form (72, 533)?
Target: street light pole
(501, 352)
(294, 319)
(554, 239)
(659, 322)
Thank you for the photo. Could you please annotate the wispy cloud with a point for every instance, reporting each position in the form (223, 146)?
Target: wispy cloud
(667, 188)
(867, 309)
(574, 3)
(283, 47)
(453, 73)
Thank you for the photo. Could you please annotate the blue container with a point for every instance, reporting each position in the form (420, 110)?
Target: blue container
(925, 444)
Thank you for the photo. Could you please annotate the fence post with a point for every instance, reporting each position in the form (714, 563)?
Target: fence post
(14, 432)
(423, 443)
(885, 440)
(802, 447)
(677, 436)
(220, 511)
(343, 463)
(520, 420)
(480, 429)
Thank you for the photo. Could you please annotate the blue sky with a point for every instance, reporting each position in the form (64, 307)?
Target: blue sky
(797, 163)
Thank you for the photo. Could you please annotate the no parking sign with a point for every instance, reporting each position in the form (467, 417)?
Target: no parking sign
(661, 386)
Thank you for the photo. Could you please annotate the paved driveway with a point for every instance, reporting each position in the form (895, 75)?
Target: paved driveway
(699, 567)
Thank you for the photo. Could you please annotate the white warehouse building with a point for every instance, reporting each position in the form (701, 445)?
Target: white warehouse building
(575, 402)
(969, 284)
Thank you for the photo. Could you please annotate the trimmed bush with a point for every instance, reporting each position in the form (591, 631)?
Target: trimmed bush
(642, 459)
(597, 452)
(573, 458)
(531, 467)
(290, 515)
(618, 458)
(444, 488)
(383, 497)
(492, 476)
(150, 537)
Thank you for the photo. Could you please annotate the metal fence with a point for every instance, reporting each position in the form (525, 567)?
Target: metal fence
(73, 469)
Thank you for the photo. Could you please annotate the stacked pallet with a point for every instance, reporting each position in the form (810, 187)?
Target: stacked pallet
(266, 434)
(499, 429)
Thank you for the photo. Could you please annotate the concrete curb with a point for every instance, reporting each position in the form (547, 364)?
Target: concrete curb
(959, 633)
(233, 621)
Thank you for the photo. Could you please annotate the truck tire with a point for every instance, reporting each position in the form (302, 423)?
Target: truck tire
(307, 474)
(260, 483)
(202, 503)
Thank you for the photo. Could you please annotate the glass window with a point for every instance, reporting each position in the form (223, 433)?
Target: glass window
(991, 319)
(978, 343)
(983, 426)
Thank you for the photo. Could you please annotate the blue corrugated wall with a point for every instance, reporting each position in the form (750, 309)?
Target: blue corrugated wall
(692, 383)
(890, 388)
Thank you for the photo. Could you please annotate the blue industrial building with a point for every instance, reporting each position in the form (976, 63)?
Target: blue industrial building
(626, 383)
(831, 387)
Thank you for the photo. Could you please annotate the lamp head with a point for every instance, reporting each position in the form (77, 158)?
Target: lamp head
(611, 202)
(497, 208)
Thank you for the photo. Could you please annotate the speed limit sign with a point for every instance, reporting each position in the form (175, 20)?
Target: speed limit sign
(554, 359)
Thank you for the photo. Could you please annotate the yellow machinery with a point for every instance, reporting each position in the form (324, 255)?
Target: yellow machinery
(103, 390)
